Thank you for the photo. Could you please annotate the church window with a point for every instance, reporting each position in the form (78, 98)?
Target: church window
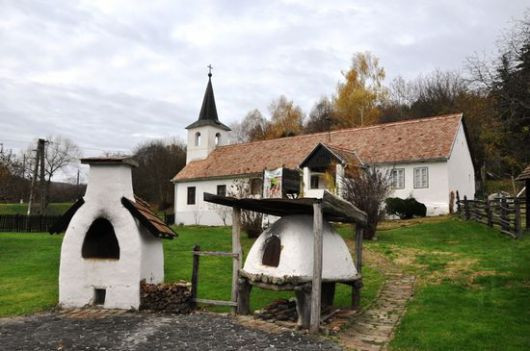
(197, 139)
(217, 138)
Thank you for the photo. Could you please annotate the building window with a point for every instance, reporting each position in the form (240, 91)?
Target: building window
(398, 178)
(191, 195)
(256, 186)
(221, 190)
(421, 177)
(217, 138)
(315, 179)
(197, 139)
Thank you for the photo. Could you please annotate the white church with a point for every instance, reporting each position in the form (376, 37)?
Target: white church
(427, 158)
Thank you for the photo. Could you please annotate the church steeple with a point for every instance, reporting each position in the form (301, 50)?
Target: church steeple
(208, 115)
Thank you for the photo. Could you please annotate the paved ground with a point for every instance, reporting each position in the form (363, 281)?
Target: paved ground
(374, 328)
(78, 330)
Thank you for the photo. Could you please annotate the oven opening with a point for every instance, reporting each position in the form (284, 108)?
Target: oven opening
(100, 241)
(99, 296)
(271, 251)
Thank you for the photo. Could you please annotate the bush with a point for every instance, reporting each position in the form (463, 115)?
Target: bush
(405, 208)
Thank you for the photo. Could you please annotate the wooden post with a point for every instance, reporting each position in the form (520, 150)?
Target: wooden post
(237, 262)
(243, 297)
(195, 275)
(504, 215)
(527, 204)
(466, 208)
(316, 287)
(488, 212)
(458, 206)
(357, 285)
(517, 218)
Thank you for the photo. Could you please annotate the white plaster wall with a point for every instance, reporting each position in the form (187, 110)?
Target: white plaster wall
(207, 144)
(460, 167)
(152, 262)
(296, 257)
(78, 277)
(202, 212)
(436, 196)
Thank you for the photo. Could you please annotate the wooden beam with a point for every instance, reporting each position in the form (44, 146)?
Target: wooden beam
(359, 249)
(237, 262)
(216, 253)
(195, 275)
(337, 205)
(216, 302)
(316, 287)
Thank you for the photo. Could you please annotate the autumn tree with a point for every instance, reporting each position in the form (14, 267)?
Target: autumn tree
(159, 161)
(253, 127)
(322, 117)
(286, 119)
(359, 96)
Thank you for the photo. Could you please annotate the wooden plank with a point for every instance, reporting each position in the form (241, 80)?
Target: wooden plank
(216, 302)
(358, 249)
(195, 274)
(215, 253)
(316, 287)
(509, 233)
(237, 254)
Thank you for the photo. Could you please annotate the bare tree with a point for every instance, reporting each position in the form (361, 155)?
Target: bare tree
(251, 128)
(60, 153)
(367, 188)
(250, 221)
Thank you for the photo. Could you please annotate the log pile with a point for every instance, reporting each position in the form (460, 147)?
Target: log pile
(169, 297)
(279, 310)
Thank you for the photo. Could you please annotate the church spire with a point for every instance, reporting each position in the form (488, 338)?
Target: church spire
(208, 114)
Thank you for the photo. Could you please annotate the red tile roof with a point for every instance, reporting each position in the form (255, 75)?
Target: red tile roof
(406, 141)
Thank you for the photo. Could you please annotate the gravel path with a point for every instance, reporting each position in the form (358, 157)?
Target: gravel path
(145, 331)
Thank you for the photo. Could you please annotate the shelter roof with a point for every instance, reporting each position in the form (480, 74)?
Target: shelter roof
(525, 175)
(334, 209)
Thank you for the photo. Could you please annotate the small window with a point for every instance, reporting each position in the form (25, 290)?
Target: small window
(217, 138)
(197, 139)
(398, 178)
(315, 180)
(221, 190)
(256, 186)
(191, 195)
(271, 251)
(421, 177)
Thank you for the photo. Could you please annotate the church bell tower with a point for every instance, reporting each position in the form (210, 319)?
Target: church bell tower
(205, 134)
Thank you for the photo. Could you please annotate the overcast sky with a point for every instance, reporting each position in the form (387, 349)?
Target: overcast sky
(111, 74)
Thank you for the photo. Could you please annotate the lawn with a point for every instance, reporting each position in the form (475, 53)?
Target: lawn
(473, 283)
(53, 209)
(29, 270)
(473, 289)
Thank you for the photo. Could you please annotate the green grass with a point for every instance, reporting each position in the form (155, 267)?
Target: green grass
(53, 209)
(29, 270)
(473, 291)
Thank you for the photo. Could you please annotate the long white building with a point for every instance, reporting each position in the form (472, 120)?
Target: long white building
(428, 159)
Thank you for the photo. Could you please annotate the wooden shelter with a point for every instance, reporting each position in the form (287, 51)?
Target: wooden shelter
(330, 208)
(525, 177)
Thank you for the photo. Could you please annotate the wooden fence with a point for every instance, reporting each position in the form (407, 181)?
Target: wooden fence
(506, 214)
(23, 223)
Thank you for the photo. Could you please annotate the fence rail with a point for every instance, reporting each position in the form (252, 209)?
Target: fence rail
(506, 214)
(23, 223)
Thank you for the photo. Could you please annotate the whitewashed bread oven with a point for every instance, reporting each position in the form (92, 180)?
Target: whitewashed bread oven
(112, 241)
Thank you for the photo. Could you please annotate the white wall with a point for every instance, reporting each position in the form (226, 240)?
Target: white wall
(202, 212)
(436, 196)
(460, 167)
(207, 144)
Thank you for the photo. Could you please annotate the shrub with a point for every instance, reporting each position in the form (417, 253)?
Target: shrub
(405, 208)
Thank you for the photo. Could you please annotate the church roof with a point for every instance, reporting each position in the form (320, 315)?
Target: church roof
(426, 139)
(208, 115)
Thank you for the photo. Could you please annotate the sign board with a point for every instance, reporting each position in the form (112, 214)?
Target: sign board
(280, 182)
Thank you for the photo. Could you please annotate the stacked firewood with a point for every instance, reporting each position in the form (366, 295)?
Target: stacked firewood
(279, 310)
(170, 297)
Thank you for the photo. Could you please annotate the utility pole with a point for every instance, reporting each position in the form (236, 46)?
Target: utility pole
(42, 145)
(39, 153)
(23, 178)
